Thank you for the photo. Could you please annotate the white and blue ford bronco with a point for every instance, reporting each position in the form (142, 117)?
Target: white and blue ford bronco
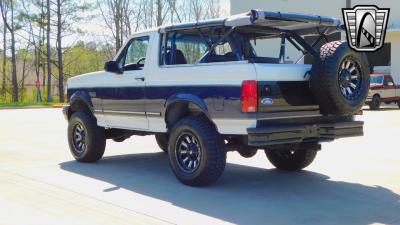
(210, 87)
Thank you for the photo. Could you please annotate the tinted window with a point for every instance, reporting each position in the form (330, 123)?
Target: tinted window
(184, 48)
(387, 80)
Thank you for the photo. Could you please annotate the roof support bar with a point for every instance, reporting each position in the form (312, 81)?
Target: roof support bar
(225, 36)
(283, 49)
(295, 44)
(309, 48)
(205, 39)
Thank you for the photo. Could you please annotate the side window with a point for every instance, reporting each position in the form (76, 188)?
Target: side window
(192, 46)
(136, 54)
(387, 80)
(183, 48)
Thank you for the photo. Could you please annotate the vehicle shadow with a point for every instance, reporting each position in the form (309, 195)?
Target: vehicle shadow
(383, 109)
(249, 195)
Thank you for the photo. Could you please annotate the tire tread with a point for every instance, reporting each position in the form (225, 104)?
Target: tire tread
(213, 144)
(97, 141)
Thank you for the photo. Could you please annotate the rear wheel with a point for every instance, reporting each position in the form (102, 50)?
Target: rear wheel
(293, 156)
(86, 140)
(375, 104)
(196, 151)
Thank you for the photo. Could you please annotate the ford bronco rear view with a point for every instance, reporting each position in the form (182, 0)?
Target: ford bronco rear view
(207, 88)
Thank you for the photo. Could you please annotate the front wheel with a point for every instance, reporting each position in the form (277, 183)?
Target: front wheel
(86, 140)
(292, 157)
(196, 151)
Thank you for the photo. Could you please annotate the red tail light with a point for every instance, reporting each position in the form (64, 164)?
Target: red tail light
(249, 96)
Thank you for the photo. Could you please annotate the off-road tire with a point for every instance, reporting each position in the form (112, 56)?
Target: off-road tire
(301, 157)
(375, 103)
(324, 81)
(94, 138)
(212, 154)
(246, 151)
(162, 142)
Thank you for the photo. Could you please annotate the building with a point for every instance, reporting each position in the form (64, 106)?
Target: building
(388, 56)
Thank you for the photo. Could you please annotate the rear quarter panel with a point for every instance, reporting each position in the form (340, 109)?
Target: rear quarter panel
(218, 85)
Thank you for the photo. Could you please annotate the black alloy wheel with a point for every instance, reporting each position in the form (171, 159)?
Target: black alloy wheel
(188, 152)
(350, 78)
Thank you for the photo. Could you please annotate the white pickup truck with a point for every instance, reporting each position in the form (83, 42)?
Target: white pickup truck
(203, 89)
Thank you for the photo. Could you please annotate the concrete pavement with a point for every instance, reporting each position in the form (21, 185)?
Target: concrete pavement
(352, 181)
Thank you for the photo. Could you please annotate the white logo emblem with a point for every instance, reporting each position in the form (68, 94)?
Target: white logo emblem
(366, 27)
(267, 101)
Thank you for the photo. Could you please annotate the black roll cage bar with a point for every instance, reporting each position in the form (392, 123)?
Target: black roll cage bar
(293, 37)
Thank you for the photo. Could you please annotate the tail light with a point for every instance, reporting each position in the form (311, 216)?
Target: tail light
(249, 96)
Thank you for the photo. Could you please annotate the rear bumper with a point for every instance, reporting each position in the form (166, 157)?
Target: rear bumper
(286, 134)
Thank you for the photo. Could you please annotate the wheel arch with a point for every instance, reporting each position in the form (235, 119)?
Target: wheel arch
(80, 100)
(181, 105)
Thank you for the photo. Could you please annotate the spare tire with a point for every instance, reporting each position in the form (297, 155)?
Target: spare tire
(340, 79)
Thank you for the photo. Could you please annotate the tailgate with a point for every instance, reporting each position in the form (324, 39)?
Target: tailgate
(284, 88)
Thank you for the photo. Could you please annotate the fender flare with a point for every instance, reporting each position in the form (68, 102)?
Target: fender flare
(83, 97)
(182, 97)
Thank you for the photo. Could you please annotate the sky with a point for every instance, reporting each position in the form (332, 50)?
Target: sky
(96, 29)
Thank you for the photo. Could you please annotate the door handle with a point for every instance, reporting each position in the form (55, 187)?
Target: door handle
(140, 78)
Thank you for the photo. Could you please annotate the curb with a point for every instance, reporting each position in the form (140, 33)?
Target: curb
(31, 107)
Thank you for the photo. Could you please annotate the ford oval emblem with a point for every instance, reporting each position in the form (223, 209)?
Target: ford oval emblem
(267, 101)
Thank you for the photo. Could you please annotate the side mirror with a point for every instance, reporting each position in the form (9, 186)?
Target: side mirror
(113, 67)
(390, 84)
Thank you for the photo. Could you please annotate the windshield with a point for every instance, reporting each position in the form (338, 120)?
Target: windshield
(376, 79)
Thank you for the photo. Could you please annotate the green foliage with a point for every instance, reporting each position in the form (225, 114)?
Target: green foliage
(78, 59)
(84, 58)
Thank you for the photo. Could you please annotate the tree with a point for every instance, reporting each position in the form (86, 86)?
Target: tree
(5, 6)
(68, 12)
(48, 53)
(3, 83)
(114, 13)
(34, 19)
(59, 52)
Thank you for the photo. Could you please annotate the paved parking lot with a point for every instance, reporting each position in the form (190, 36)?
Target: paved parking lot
(353, 181)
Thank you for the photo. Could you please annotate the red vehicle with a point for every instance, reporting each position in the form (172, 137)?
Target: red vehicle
(382, 90)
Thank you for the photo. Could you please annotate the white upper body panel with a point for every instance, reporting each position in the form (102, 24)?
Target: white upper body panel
(201, 74)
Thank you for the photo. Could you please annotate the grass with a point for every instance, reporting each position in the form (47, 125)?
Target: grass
(25, 104)
(28, 99)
